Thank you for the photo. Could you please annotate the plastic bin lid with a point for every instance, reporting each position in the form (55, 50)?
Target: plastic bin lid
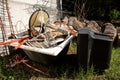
(94, 35)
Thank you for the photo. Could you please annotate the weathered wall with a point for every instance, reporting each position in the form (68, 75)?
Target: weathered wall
(21, 10)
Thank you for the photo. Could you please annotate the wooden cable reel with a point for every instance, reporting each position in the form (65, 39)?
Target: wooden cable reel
(37, 20)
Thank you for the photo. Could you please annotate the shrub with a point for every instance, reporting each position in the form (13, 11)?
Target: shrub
(114, 14)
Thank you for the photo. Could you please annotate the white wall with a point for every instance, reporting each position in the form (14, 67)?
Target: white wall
(19, 10)
(18, 13)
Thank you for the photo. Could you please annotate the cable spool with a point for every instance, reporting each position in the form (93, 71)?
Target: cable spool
(38, 19)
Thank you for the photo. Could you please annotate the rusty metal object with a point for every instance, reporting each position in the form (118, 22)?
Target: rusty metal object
(18, 60)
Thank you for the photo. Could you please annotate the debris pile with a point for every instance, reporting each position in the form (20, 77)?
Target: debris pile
(106, 28)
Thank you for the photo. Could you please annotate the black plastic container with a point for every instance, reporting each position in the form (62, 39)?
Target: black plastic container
(84, 44)
(93, 49)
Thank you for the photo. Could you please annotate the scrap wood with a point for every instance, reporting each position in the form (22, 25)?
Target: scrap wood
(21, 41)
(13, 40)
(52, 26)
(65, 30)
(9, 41)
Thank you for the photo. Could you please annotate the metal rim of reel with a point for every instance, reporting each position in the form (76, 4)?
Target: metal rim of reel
(37, 19)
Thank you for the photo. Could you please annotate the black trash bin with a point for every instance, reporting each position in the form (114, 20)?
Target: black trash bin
(84, 44)
(93, 49)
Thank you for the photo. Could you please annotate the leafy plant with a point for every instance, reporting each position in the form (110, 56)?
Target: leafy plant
(114, 14)
(113, 73)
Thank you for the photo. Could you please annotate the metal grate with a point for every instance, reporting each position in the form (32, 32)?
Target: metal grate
(6, 27)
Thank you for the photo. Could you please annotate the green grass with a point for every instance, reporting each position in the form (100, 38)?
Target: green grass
(113, 73)
(21, 72)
